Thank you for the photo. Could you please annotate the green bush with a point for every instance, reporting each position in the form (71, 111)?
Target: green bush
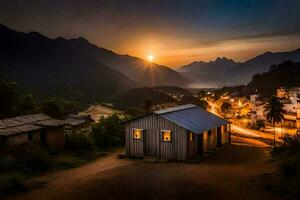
(26, 158)
(78, 142)
(289, 168)
(108, 132)
(12, 185)
(291, 144)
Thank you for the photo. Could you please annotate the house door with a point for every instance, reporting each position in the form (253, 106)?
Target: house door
(145, 143)
(43, 137)
(190, 145)
(200, 144)
(219, 137)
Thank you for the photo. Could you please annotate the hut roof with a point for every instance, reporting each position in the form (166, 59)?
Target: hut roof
(192, 118)
(75, 120)
(27, 123)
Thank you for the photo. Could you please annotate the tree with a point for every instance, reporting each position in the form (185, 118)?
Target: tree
(273, 112)
(53, 109)
(8, 98)
(26, 105)
(260, 124)
(225, 107)
(148, 105)
(108, 132)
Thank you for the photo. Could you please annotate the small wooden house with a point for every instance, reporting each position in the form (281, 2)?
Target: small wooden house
(37, 129)
(179, 133)
(79, 124)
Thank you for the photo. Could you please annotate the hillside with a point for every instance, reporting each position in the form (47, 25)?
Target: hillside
(136, 69)
(209, 71)
(225, 71)
(243, 72)
(286, 74)
(136, 98)
(43, 64)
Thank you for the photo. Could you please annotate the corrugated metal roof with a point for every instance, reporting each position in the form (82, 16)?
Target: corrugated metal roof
(27, 123)
(194, 119)
(174, 109)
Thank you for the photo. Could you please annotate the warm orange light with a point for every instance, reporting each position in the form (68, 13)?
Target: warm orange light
(150, 58)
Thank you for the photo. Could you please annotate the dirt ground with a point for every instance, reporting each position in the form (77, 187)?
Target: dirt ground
(231, 173)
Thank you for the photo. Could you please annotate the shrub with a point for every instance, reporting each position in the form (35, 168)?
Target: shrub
(291, 143)
(108, 132)
(260, 124)
(78, 142)
(25, 158)
(289, 168)
(11, 186)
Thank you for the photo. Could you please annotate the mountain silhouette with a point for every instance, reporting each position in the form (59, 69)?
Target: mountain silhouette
(43, 64)
(226, 71)
(138, 70)
(209, 71)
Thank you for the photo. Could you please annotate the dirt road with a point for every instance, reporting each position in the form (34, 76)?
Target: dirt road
(231, 173)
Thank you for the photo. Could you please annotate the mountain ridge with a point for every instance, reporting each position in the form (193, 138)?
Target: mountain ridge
(39, 62)
(142, 72)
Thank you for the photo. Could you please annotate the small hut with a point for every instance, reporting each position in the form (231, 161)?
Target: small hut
(37, 129)
(179, 133)
(79, 124)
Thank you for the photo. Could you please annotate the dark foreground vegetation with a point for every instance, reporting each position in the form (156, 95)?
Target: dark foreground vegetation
(22, 162)
(286, 180)
(15, 101)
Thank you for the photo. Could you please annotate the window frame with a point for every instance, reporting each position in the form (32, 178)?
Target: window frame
(162, 138)
(141, 136)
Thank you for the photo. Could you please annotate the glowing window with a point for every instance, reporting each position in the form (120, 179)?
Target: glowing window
(191, 136)
(166, 135)
(137, 133)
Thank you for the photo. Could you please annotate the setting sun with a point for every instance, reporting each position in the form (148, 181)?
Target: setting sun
(150, 57)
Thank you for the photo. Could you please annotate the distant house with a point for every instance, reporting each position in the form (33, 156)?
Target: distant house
(79, 124)
(178, 133)
(37, 129)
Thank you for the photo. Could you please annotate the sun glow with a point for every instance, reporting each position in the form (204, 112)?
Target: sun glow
(150, 58)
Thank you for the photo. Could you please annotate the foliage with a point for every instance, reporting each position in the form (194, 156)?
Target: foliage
(8, 98)
(53, 109)
(25, 158)
(260, 124)
(108, 132)
(14, 103)
(285, 75)
(148, 105)
(273, 110)
(187, 99)
(12, 185)
(225, 107)
(78, 142)
(290, 145)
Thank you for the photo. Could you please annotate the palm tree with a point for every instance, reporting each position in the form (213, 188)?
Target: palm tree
(273, 111)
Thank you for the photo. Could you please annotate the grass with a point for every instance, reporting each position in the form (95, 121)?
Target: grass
(14, 174)
(285, 180)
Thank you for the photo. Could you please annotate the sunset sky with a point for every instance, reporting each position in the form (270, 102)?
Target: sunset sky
(174, 32)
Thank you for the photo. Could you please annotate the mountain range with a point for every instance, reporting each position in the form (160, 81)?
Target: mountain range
(140, 71)
(224, 71)
(75, 69)
(209, 71)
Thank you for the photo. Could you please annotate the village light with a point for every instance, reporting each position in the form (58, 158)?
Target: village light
(240, 103)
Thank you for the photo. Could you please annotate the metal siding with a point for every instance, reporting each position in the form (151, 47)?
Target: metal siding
(152, 124)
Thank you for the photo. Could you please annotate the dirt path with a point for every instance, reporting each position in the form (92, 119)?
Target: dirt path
(231, 173)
